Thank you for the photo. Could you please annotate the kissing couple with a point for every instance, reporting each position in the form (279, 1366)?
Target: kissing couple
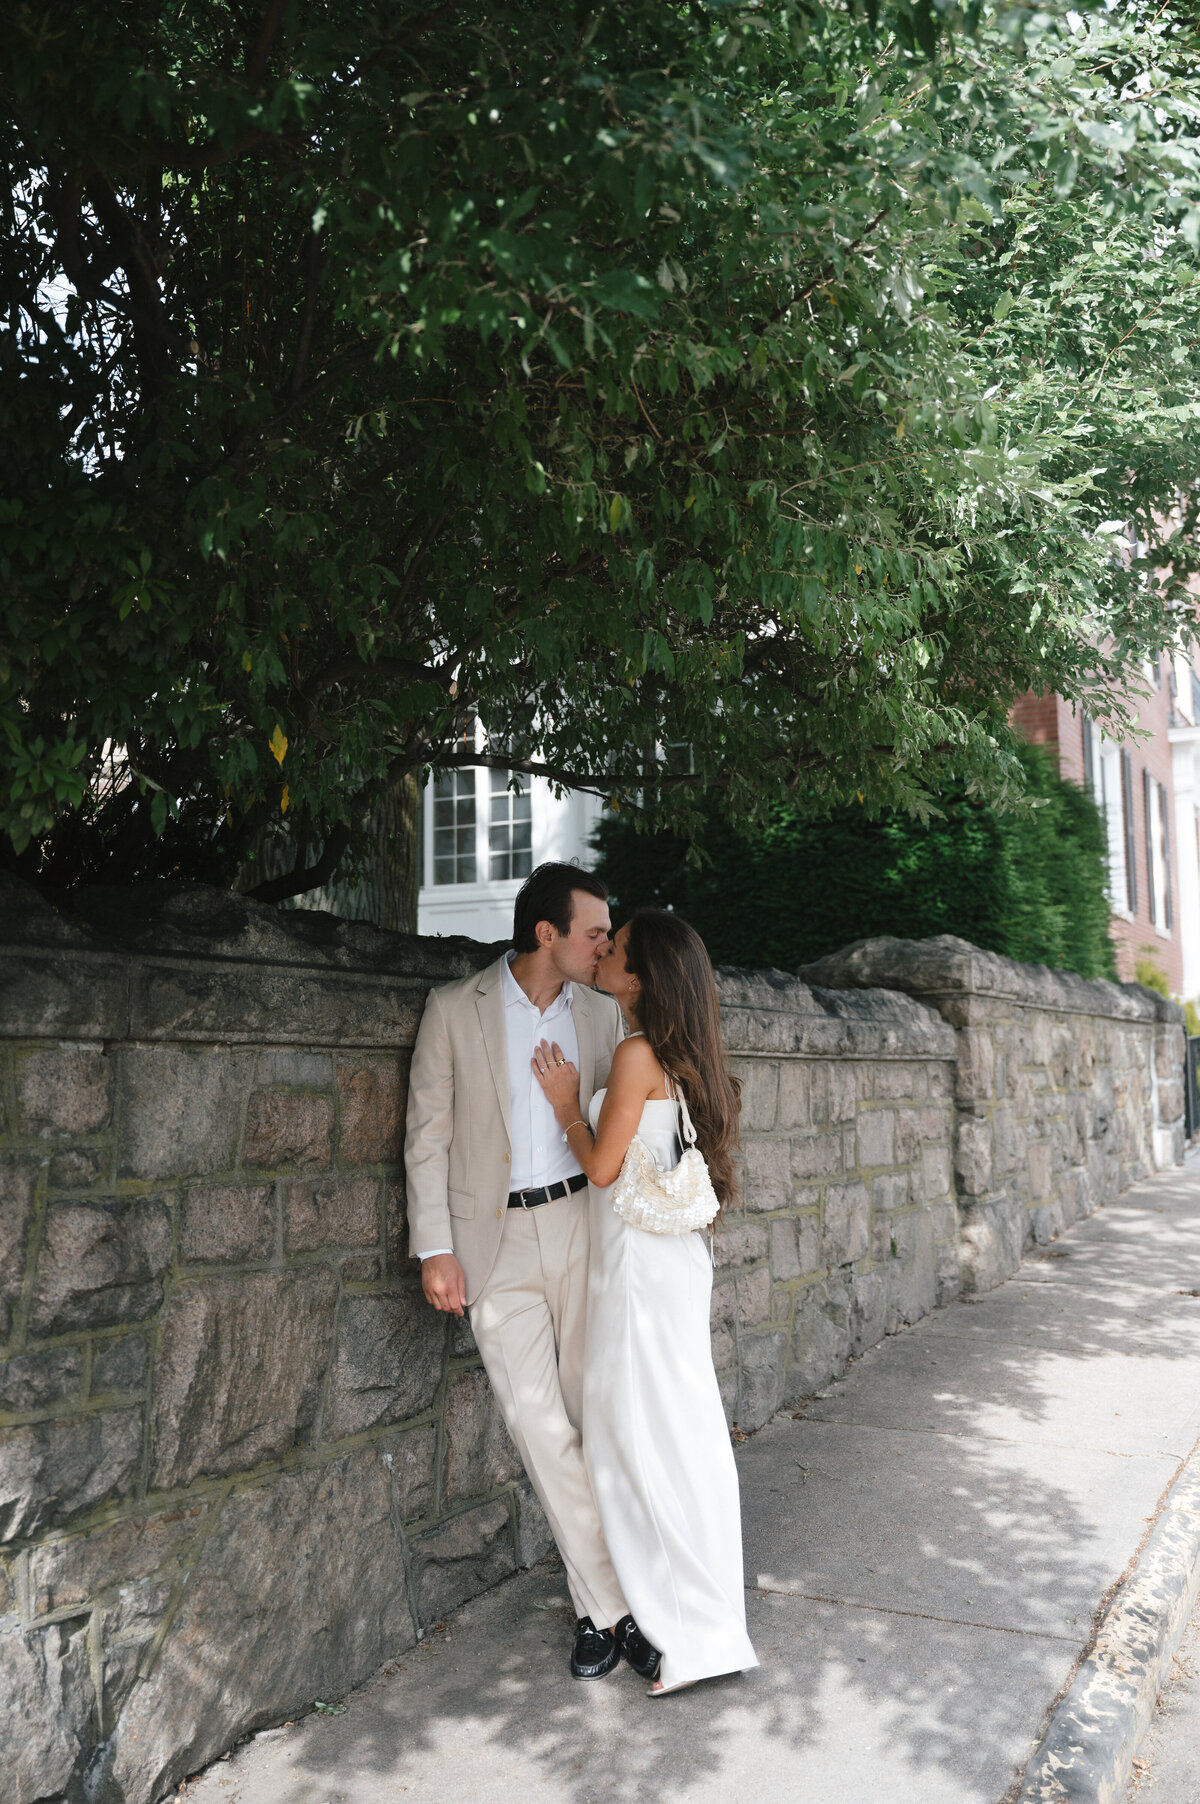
(542, 1112)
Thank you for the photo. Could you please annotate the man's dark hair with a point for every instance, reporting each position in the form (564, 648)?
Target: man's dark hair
(545, 895)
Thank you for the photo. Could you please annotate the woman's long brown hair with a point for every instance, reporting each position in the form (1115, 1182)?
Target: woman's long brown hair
(680, 1015)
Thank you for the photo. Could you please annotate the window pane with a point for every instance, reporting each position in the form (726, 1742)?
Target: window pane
(454, 827)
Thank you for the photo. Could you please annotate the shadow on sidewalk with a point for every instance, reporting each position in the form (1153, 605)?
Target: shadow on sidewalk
(927, 1544)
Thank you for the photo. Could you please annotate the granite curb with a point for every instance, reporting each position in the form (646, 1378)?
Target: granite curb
(1086, 1754)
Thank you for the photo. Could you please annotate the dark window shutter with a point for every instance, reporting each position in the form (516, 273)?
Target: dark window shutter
(1168, 908)
(1148, 809)
(1089, 757)
(1130, 835)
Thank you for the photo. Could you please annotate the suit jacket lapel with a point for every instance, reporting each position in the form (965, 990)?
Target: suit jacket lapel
(585, 1033)
(490, 1003)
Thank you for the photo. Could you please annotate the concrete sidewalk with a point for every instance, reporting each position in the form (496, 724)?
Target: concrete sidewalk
(928, 1546)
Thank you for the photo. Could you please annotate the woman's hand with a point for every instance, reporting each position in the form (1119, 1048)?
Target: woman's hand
(559, 1080)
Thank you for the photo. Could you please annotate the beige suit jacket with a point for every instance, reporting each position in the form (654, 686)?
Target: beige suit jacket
(458, 1137)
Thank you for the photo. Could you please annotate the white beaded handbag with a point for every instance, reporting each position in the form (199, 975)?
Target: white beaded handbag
(666, 1202)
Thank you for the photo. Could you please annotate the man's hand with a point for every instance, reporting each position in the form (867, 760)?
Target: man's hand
(444, 1284)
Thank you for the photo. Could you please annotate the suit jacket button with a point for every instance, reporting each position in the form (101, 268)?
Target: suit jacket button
(504, 1157)
(499, 1213)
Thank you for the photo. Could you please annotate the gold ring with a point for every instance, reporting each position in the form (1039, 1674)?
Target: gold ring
(560, 1061)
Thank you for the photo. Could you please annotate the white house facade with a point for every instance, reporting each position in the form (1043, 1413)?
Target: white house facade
(480, 840)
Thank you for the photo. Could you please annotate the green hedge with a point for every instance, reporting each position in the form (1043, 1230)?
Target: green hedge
(1031, 886)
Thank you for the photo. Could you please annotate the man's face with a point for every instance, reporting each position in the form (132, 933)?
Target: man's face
(575, 954)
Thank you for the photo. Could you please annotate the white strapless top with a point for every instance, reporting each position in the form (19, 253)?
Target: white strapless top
(658, 1128)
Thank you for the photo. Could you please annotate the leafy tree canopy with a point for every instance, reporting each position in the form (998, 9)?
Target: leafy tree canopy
(1029, 883)
(770, 381)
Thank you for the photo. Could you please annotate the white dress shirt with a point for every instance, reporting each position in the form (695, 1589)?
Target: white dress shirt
(540, 1154)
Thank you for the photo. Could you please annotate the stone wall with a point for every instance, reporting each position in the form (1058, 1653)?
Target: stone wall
(241, 1462)
(1066, 1091)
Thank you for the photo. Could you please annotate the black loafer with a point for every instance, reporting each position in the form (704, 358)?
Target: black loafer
(644, 1659)
(596, 1651)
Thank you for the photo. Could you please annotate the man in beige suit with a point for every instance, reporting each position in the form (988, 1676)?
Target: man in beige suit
(497, 1207)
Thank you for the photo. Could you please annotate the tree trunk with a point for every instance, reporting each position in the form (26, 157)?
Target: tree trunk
(386, 893)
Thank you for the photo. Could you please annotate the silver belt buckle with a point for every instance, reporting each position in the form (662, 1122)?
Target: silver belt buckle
(523, 1194)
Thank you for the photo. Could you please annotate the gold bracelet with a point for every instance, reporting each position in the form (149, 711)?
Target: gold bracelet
(579, 1122)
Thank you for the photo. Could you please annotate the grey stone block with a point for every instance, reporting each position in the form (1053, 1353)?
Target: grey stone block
(290, 1065)
(759, 1079)
(845, 1223)
(226, 1223)
(461, 1558)
(753, 1296)
(816, 1156)
(535, 1538)
(336, 1212)
(761, 1382)
(40, 1378)
(239, 1368)
(391, 1350)
(288, 1129)
(410, 1460)
(64, 1089)
(371, 1111)
(766, 1181)
(868, 1311)
(53, 1471)
(911, 1272)
(973, 1156)
(120, 1365)
(83, 1568)
(78, 1168)
(46, 1707)
(785, 1250)
(182, 1106)
(821, 1336)
(246, 1649)
(479, 1453)
(78, 995)
(100, 1264)
(991, 1240)
(876, 1138)
(18, 1186)
(740, 1242)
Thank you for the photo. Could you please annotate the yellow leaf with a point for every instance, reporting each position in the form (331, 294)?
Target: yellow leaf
(858, 569)
(284, 799)
(278, 743)
(690, 502)
(247, 660)
(900, 429)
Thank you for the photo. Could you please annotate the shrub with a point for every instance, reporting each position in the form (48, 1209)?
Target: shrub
(1029, 884)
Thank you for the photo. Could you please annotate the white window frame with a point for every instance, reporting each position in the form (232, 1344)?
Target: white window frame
(483, 884)
(1110, 794)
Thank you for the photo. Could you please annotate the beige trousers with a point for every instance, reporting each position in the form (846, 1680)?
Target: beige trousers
(529, 1322)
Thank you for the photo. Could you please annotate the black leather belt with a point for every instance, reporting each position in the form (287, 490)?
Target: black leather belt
(549, 1193)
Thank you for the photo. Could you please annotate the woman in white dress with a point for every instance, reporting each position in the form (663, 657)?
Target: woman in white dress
(654, 1431)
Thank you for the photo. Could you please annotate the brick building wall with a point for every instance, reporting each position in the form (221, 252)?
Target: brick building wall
(1146, 918)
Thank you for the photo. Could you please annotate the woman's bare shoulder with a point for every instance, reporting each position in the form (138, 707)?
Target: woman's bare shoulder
(634, 1062)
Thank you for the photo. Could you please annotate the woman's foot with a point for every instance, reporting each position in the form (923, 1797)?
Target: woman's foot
(641, 1654)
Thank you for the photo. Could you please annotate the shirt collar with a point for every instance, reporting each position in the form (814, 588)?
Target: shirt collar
(514, 995)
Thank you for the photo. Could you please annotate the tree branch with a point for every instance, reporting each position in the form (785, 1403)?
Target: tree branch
(295, 883)
(572, 779)
(256, 62)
